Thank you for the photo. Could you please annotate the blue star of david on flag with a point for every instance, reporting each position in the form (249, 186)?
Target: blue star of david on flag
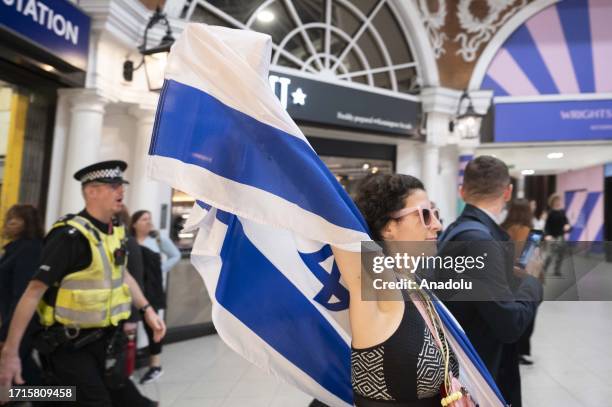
(332, 288)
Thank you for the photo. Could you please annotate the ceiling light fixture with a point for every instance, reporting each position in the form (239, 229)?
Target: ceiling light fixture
(466, 124)
(265, 16)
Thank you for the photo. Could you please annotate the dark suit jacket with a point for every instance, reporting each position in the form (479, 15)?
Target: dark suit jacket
(17, 266)
(490, 324)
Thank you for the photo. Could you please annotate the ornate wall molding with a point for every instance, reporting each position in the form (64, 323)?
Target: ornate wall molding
(476, 31)
(434, 21)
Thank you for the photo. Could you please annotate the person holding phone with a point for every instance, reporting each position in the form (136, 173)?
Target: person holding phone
(519, 225)
(491, 323)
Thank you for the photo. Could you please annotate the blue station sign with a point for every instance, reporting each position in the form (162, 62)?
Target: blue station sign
(56, 26)
(573, 120)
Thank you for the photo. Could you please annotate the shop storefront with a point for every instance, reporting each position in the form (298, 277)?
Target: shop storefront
(43, 47)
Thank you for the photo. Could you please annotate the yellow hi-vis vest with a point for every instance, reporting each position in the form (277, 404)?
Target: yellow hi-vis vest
(96, 296)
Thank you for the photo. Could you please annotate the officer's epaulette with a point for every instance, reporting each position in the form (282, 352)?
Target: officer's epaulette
(61, 222)
(65, 218)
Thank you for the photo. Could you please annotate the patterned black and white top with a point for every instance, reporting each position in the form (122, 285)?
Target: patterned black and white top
(407, 367)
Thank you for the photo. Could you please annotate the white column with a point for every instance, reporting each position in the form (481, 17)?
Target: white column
(440, 106)
(58, 158)
(430, 170)
(437, 130)
(173, 8)
(83, 142)
(448, 178)
(408, 160)
(145, 193)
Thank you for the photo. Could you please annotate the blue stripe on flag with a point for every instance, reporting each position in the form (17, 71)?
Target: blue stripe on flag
(466, 345)
(523, 49)
(198, 129)
(576, 24)
(262, 298)
(203, 205)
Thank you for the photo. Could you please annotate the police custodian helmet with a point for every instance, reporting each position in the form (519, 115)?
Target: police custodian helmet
(108, 172)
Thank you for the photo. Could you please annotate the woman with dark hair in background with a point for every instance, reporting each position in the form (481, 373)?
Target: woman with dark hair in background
(153, 246)
(518, 223)
(135, 267)
(539, 217)
(21, 258)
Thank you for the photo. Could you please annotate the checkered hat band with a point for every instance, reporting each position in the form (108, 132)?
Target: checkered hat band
(100, 174)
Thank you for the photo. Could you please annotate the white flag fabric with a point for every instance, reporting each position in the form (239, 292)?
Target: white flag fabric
(267, 215)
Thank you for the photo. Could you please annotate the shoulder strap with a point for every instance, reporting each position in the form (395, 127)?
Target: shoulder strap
(454, 231)
(87, 225)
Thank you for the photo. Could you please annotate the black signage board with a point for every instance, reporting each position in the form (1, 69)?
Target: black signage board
(324, 103)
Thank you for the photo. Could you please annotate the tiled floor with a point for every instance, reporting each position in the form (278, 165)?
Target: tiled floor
(571, 348)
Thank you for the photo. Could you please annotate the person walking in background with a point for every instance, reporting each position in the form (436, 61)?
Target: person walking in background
(557, 225)
(153, 247)
(23, 228)
(539, 218)
(518, 224)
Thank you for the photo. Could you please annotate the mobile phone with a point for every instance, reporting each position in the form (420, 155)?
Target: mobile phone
(531, 243)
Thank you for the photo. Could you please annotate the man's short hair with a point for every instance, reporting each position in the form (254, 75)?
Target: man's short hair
(485, 177)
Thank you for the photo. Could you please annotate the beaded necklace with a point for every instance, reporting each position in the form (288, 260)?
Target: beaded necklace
(437, 325)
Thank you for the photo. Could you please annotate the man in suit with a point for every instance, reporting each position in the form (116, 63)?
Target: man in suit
(503, 303)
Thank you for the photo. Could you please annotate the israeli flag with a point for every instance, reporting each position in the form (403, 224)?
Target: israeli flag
(268, 212)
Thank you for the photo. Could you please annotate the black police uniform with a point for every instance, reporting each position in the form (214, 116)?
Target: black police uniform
(66, 251)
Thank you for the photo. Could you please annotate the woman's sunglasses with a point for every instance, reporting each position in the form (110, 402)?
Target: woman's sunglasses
(426, 214)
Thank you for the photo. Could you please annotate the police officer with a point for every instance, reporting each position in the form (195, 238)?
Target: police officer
(82, 294)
